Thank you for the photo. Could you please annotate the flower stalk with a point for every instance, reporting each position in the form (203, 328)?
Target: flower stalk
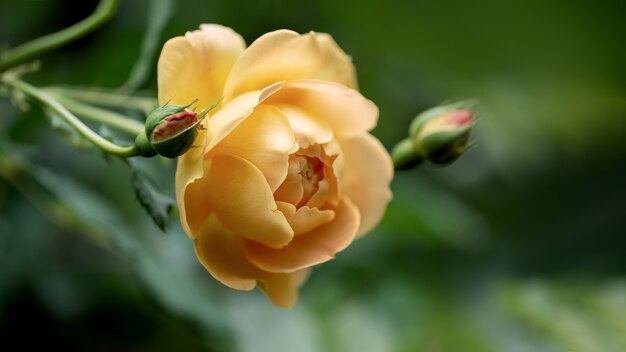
(13, 81)
(29, 50)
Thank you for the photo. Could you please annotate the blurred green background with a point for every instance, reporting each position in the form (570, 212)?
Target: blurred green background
(518, 246)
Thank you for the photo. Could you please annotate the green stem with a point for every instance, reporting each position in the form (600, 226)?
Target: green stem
(46, 99)
(104, 11)
(103, 116)
(405, 156)
(105, 98)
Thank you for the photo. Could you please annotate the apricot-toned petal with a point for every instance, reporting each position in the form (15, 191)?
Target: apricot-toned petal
(307, 129)
(341, 70)
(311, 248)
(305, 219)
(197, 65)
(368, 171)
(285, 55)
(234, 112)
(319, 198)
(282, 288)
(190, 167)
(243, 202)
(265, 139)
(221, 254)
(193, 202)
(291, 190)
(344, 109)
(334, 172)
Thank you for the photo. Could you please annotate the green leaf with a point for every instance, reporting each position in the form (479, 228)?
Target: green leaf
(158, 205)
(159, 13)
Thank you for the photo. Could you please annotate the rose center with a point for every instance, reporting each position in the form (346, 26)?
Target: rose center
(311, 172)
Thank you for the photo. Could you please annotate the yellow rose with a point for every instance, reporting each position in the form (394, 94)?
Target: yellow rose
(287, 174)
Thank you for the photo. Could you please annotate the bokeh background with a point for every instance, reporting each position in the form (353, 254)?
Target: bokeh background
(518, 246)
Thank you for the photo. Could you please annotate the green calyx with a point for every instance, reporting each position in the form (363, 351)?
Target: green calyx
(442, 147)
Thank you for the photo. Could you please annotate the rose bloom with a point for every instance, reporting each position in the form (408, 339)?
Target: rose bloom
(285, 174)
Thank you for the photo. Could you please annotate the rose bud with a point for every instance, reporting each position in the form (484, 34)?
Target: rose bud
(443, 138)
(438, 135)
(170, 130)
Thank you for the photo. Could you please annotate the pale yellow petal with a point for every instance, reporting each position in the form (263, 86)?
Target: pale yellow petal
(345, 110)
(285, 55)
(220, 252)
(367, 174)
(282, 288)
(197, 65)
(308, 130)
(243, 202)
(305, 219)
(315, 247)
(265, 139)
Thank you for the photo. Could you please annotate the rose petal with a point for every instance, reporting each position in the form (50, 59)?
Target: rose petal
(307, 129)
(368, 171)
(282, 288)
(220, 252)
(243, 202)
(195, 198)
(321, 196)
(265, 139)
(236, 111)
(190, 167)
(197, 65)
(344, 109)
(308, 249)
(291, 190)
(338, 67)
(304, 219)
(285, 55)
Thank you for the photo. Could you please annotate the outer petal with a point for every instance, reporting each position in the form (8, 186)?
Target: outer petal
(282, 289)
(221, 254)
(264, 139)
(190, 167)
(285, 55)
(309, 249)
(197, 65)
(345, 110)
(368, 170)
(235, 112)
(243, 202)
(339, 67)
(193, 202)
